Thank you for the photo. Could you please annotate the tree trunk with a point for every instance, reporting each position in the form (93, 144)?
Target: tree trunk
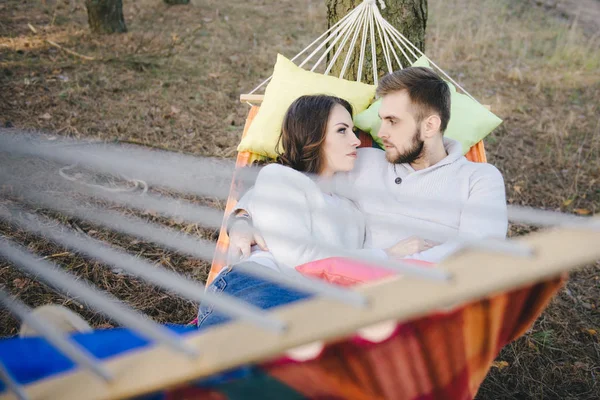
(409, 17)
(106, 16)
(170, 2)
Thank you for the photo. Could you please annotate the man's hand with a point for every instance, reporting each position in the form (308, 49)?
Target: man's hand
(242, 237)
(411, 245)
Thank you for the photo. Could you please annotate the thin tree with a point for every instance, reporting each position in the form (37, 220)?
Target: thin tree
(106, 16)
(408, 16)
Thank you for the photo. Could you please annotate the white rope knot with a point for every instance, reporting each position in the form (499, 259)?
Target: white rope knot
(381, 3)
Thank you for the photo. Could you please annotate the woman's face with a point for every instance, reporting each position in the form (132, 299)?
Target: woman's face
(340, 144)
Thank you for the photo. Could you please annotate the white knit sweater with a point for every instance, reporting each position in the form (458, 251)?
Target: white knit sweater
(299, 222)
(450, 198)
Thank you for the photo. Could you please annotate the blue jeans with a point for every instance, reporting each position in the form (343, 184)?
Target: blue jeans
(258, 292)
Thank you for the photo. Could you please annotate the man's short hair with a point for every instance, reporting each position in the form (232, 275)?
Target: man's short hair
(428, 92)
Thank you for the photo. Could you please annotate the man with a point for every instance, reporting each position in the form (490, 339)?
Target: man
(422, 186)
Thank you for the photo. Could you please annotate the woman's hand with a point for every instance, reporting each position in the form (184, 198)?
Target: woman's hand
(242, 237)
(408, 246)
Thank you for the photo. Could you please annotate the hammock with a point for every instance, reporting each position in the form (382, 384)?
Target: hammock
(365, 22)
(245, 158)
(415, 339)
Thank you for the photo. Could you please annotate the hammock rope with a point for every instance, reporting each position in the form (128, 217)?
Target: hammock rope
(105, 159)
(365, 22)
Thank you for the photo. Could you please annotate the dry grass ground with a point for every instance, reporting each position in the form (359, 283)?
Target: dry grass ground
(173, 81)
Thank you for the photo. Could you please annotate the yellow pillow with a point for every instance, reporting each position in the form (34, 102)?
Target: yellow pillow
(290, 82)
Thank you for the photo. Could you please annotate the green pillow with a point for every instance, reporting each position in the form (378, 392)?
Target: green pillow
(469, 121)
(370, 122)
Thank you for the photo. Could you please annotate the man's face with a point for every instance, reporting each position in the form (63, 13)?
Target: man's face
(400, 132)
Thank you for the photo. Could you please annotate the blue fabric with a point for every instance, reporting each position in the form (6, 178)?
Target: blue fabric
(31, 359)
(258, 292)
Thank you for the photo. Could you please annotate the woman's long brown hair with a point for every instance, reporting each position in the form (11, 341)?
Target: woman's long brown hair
(303, 133)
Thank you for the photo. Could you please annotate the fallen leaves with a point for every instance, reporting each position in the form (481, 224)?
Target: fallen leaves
(567, 202)
(20, 283)
(579, 211)
(500, 365)
(532, 345)
(518, 188)
(591, 332)
(173, 113)
(582, 211)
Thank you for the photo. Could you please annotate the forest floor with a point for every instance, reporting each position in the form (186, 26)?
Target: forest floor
(173, 81)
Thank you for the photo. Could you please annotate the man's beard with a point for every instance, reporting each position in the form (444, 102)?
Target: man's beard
(412, 154)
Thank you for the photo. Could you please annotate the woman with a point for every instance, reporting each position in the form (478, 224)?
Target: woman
(300, 223)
